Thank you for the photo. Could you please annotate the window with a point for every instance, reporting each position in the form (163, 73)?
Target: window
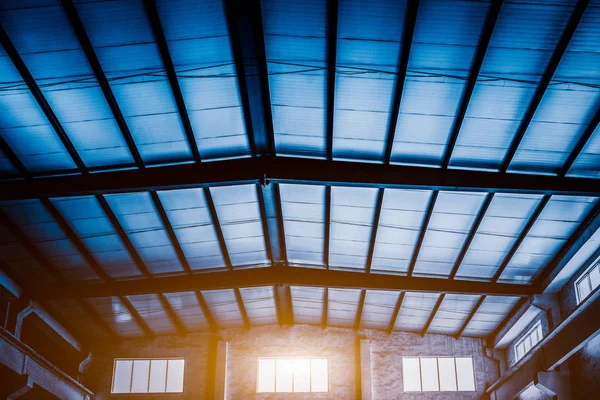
(292, 375)
(531, 338)
(438, 374)
(148, 375)
(589, 281)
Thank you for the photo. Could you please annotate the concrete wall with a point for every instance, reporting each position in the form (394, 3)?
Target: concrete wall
(339, 345)
(584, 369)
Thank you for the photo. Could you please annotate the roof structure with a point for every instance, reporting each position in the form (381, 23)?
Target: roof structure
(171, 166)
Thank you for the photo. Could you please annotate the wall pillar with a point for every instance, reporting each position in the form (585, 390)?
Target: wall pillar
(365, 369)
(220, 392)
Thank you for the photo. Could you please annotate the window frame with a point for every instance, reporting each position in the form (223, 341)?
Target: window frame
(528, 338)
(439, 386)
(291, 358)
(133, 359)
(586, 276)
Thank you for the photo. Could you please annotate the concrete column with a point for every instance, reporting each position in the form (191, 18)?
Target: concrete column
(554, 384)
(365, 369)
(221, 371)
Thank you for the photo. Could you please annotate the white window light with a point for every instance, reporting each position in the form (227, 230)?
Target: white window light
(438, 374)
(527, 342)
(148, 375)
(588, 282)
(285, 375)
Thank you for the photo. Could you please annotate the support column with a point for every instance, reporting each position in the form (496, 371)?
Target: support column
(221, 371)
(365, 369)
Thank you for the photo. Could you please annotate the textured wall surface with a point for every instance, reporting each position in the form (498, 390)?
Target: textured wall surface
(338, 344)
(585, 371)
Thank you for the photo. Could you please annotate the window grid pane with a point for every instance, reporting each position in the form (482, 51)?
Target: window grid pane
(286, 375)
(439, 374)
(588, 282)
(531, 338)
(148, 376)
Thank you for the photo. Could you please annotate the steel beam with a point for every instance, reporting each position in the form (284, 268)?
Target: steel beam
(41, 100)
(422, 232)
(374, 229)
(410, 20)
(13, 158)
(272, 221)
(397, 308)
(484, 42)
(167, 61)
(332, 25)
(438, 303)
(242, 308)
(327, 226)
(463, 251)
(283, 302)
(212, 325)
(359, 311)
(281, 275)
(325, 308)
(297, 171)
(244, 19)
(90, 54)
(557, 55)
(470, 317)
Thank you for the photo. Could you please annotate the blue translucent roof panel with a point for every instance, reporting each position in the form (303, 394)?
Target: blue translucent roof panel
(342, 307)
(368, 46)
(296, 49)
(400, 221)
(190, 218)
(352, 214)
(152, 312)
(187, 308)
(122, 37)
(523, 41)
(378, 309)
(415, 311)
(24, 126)
(88, 220)
(452, 314)
(307, 304)
(138, 217)
(114, 312)
(19, 260)
(450, 223)
(503, 222)
(568, 105)
(260, 305)
(303, 210)
(39, 226)
(489, 315)
(200, 47)
(559, 219)
(444, 43)
(223, 306)
(239, 215)
(588, 162)
(48, 45)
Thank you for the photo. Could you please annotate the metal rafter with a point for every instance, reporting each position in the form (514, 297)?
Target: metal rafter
(212, 325)
(325, 308)
(410, 20)
(240, 303)
(141, 266)
(167, 61)
(585, 137)
(283, 304)
(327, 226)
(484, 42)
(244, 19)
(297, 171)
(13, 158)
(397, 308)
(359, 311)
(463, 251)
(282, 275)
(536, 213)
(374, 229)
(272, 221)
(41, 100)
(90, 54)
(422, 232)
(332, 25)
(437, 306)
(557, 55)
(470, 317)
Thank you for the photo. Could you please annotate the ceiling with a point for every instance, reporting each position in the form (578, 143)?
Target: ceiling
(451, 140)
